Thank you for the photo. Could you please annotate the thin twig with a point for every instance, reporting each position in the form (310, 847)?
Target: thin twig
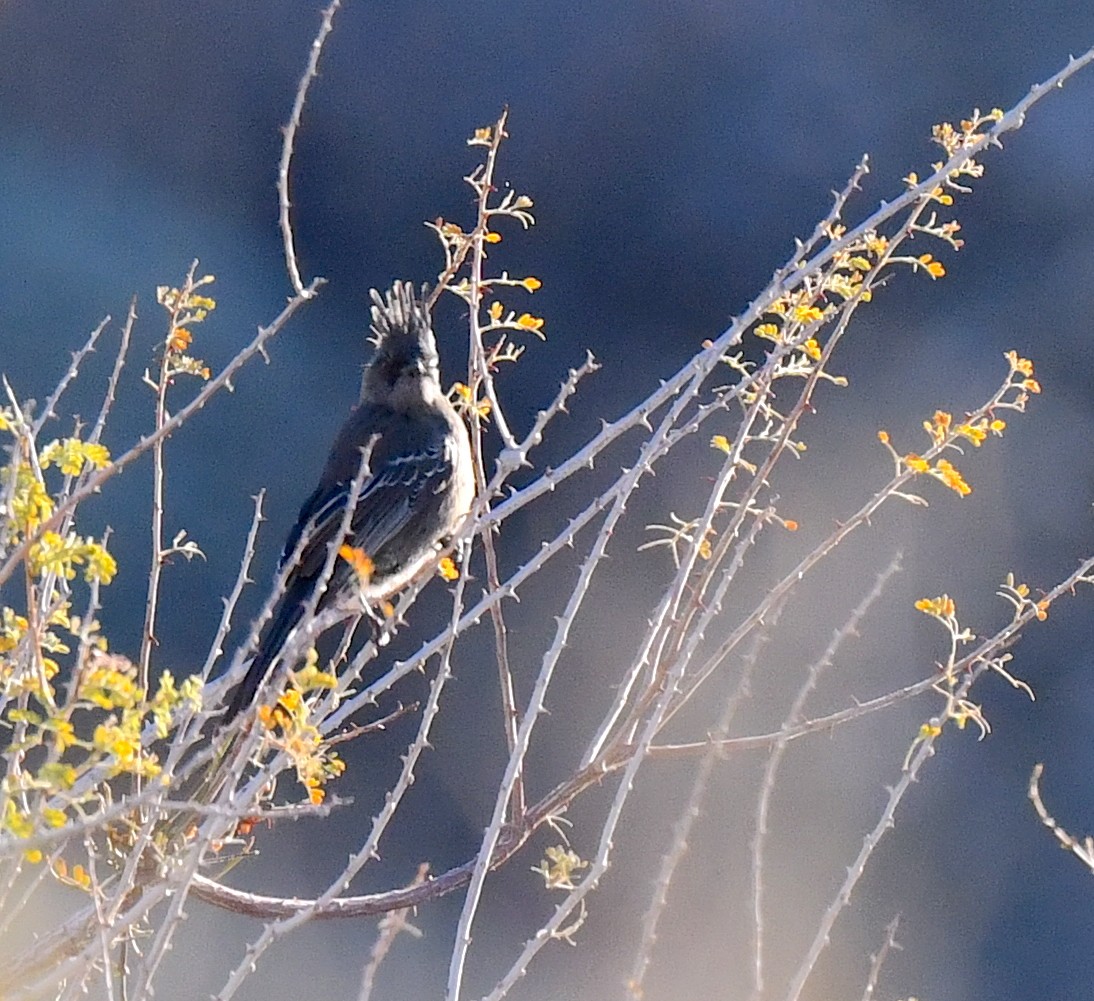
(159, 474)
(73, 370)
(288, 142)
(877, 960)
(922, 751)
(216, 648)
(767, 786)
(1083, 850)
(95, 482)
(111, 393)
(391, 926)
(689, 814)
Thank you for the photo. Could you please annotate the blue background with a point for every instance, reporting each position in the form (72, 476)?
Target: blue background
(673, 150)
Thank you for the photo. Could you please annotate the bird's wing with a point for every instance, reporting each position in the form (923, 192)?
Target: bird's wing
(387, 500)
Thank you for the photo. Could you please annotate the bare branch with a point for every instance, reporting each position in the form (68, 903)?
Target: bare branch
(288, 142)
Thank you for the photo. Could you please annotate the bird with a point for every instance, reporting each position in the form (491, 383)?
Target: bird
(418, 486)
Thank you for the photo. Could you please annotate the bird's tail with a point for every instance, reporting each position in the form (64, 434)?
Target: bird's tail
(287, 614)
(207, 783)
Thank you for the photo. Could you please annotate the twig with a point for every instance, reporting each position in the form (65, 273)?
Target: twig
(73, 370)
(689, 814)
(767, 786)
(115, 375)
(289, 139)
(877, 960)
(155, 573)
(216, 648)
(1082, 850)
(885, 823)
(390, 928)
(95, 482)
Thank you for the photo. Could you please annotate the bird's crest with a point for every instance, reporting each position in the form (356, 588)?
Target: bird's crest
(401, 323)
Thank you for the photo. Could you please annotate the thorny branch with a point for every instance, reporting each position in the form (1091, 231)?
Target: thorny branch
(690, 639)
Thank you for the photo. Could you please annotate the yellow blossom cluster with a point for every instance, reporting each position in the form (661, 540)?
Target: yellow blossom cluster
(798, 314)
(465, 255)
(946, 433)
(460, 395)
(31, 504)
(854, 265)
(185, 307)
(559, 867)
(108, 706)
(289, 728)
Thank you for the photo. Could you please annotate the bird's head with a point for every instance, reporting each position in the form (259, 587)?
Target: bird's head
(406, 350)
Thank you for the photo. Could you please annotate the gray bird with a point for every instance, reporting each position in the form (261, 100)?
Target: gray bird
(419, 486)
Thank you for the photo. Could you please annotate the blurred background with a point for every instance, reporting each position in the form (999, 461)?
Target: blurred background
(674, 150)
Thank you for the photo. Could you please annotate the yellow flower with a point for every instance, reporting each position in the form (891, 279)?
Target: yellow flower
(80, 876)
(54, 817)
(952, 478)
(180, 339)
(56, 776)
(938, 426)
(16, 821)
(64, 734)
(292, 700)
(460, 394)
(559, 867)
(529, 322)
(71, 455)
(941, 607)
(934, 268)
(101, 566)
(976, 433)
(1023, 365)
(532, 284)
(266, 717)
(359, 560)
